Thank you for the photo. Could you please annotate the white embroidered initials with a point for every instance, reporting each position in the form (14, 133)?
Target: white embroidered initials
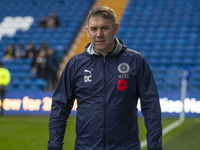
(89, 77)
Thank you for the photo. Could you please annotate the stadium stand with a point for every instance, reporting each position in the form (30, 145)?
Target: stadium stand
(167, 33)
(19, 24)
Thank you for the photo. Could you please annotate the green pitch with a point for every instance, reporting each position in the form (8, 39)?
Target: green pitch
(22, 133)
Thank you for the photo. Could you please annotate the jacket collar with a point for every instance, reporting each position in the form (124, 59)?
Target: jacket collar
(89, 49)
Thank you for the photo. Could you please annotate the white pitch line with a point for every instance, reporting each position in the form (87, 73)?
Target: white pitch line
(166, 130)
(172, 126)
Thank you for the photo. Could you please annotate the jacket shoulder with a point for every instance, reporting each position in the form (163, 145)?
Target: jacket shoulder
(77, 58)
(133, 53)
(135, 57)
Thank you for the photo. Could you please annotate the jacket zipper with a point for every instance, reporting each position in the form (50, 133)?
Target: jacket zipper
(105, 102)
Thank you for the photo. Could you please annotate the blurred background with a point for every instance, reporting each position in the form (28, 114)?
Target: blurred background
(38, 37)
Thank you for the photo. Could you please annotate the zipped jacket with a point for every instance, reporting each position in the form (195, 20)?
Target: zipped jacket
(107, 90)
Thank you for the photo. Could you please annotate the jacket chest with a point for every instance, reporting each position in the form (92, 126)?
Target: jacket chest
(113, 77)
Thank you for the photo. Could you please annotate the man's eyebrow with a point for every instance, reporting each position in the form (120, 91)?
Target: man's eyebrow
(92, 27)
(103, 26)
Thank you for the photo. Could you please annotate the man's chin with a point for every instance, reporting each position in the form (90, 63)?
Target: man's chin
(99, 49)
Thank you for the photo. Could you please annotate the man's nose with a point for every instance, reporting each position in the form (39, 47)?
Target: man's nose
(99, 33)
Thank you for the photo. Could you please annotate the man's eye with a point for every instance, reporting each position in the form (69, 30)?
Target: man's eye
(93, 29)
(105, 28)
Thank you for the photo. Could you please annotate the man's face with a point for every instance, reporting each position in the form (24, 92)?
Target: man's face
(101, 32)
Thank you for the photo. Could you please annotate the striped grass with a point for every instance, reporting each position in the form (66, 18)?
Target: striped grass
(31, 132)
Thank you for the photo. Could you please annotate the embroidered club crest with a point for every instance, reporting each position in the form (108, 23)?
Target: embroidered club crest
(123, 68)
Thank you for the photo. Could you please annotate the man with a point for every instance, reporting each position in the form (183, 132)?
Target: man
(107, 80)
(4, 81)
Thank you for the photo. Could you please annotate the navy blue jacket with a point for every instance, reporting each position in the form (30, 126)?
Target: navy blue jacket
(107, 90)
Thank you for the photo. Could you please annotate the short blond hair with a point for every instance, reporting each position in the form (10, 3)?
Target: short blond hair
(103, 11)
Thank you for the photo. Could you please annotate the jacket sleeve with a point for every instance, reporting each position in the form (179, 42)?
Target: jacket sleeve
(62, 103)
(150, 105)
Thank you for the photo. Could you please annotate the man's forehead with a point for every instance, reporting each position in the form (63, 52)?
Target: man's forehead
(99, 20)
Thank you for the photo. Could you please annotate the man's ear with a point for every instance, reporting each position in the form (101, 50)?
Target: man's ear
(87, 31)
(116, 28)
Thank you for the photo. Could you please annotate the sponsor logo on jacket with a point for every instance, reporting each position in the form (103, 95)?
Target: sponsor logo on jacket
(88, 78)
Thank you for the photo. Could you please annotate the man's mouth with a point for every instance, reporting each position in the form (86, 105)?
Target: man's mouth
(99, 42)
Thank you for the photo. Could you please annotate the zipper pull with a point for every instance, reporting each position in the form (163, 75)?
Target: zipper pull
(104, 58)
